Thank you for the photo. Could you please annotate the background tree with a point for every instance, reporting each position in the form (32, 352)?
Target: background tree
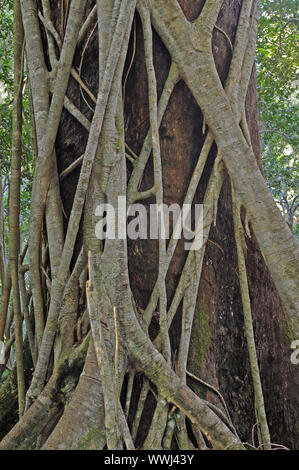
(277, 56)
(130, 104)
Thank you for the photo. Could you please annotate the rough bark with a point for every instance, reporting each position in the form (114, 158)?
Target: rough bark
(168, 114)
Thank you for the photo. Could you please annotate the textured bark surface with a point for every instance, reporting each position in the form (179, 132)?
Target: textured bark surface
(123, 274)
(218, 349)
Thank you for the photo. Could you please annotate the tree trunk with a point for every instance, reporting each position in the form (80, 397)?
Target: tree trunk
(155, 102)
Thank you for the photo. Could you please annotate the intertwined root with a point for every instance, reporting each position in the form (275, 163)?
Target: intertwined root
(120, 339)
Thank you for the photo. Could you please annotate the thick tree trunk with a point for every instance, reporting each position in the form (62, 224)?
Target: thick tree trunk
(214, 392)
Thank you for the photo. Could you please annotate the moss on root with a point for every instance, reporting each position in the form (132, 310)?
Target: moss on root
(9, 394)
(89, 442)
(8, 404)
(69, 370)
(200, 339)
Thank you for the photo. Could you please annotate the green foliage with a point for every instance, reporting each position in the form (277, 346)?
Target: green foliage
(6, 82)
(277, 57)
(4, 377)
(6, 108)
